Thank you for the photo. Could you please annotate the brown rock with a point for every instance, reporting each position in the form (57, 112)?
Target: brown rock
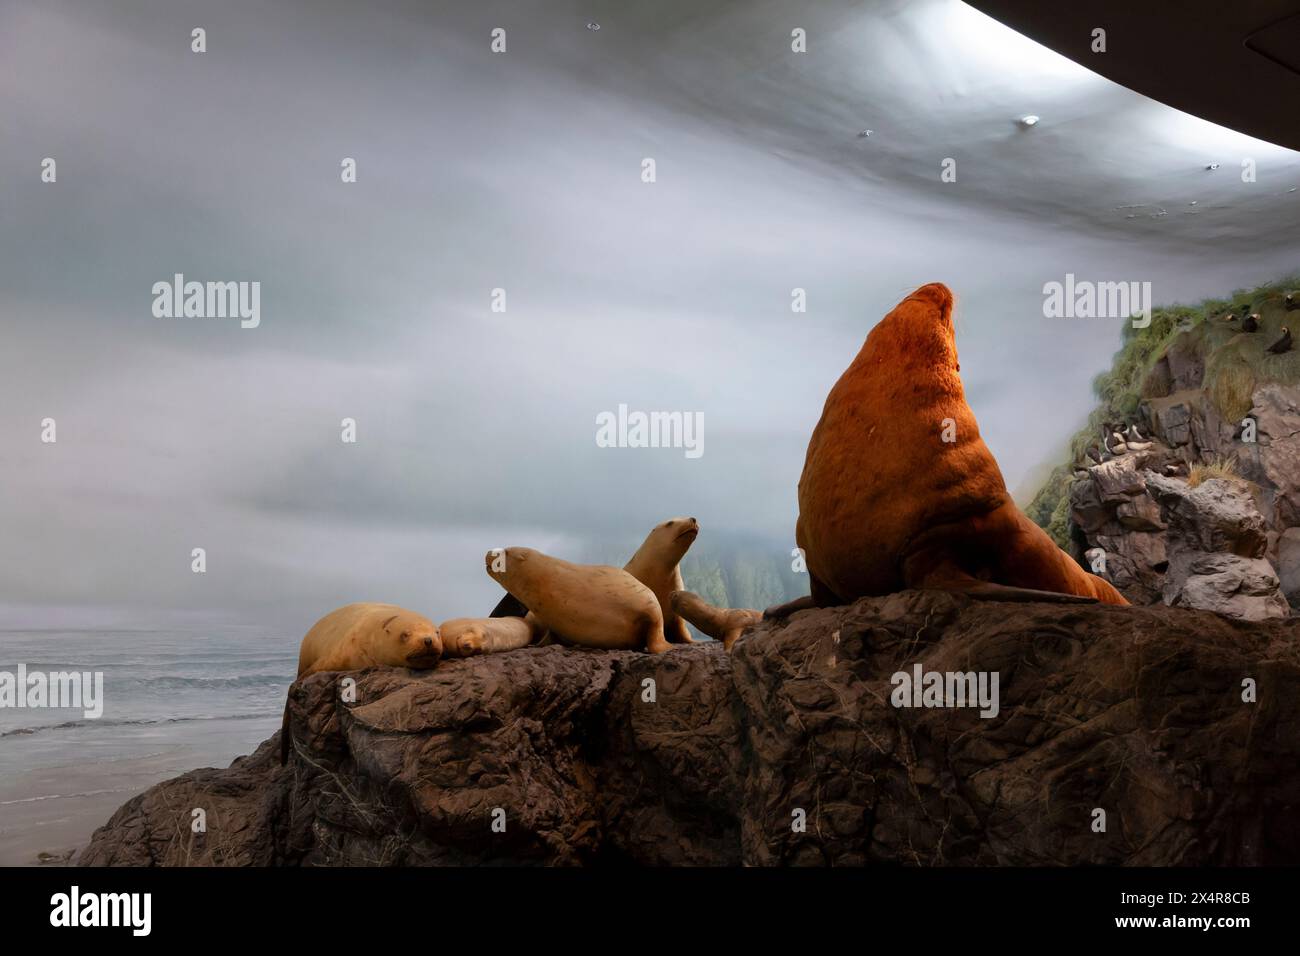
(1136, 711)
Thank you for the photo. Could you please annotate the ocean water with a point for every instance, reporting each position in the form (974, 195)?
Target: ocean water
(172, 701)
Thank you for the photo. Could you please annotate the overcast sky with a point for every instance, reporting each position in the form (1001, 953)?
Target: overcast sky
(522, 170)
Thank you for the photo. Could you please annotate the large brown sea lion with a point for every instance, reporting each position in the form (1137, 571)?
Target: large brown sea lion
(358, 636)
(657, 565)
(899, 490)
(587, 604)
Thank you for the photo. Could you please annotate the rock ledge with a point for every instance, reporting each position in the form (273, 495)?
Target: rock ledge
(1136, 711)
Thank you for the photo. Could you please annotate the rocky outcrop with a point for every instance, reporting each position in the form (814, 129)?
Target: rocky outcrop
(1189, 423)
(789, 751)
(1164, 540)
(1216, 544)
(1114, 510)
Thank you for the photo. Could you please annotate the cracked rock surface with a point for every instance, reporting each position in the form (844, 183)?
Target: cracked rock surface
(698, 758)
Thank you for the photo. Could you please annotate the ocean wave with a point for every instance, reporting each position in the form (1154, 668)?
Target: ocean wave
(79, 724)
(64, 796)
(173, 682)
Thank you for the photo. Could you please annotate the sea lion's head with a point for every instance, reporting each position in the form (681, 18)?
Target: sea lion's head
(506, 564)
(410, 640)
(669, 540)
(464, 636)
(919, 331)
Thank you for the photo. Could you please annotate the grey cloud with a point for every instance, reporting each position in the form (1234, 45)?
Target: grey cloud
(522, 171)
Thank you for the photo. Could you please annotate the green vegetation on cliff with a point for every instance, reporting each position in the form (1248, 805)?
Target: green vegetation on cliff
(1235, 363)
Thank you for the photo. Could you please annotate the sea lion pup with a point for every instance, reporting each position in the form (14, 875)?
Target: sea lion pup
(657, 565)
(899, 491)
(588, 604)
(720, 623)
(468, 636)
(357, 636)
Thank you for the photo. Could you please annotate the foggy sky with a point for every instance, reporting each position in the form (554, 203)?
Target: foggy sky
(522, 171)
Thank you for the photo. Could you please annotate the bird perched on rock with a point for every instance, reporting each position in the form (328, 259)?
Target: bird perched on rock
(1115, 445)
(1250, 323)
(1292, 301)
(1133, 434)
(1283, 344)
(1094, 453)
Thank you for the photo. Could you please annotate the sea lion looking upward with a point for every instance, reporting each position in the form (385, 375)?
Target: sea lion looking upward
(588, 604)
(656, 564)
(357, 636)
(899, 491)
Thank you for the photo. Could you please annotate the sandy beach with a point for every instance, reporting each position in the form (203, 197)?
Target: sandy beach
(173, 702)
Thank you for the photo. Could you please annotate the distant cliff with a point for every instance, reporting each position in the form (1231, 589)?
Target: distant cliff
(1191, 381)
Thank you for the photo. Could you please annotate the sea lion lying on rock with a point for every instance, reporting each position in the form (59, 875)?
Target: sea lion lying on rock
(587, 604)
(656, 564)
(899, 491)
(468, 636)
(358, 636)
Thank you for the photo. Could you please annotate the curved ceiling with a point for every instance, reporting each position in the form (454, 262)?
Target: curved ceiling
(1236, 64)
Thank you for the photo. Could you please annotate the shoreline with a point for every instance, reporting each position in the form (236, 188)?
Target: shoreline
(49, 812)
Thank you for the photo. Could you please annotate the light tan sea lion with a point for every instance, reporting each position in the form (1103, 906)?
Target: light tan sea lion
(657, 565)
(358, 636)
(364, 635)
(468, 636)
(886, 503)
(724, 624)
(587, 604)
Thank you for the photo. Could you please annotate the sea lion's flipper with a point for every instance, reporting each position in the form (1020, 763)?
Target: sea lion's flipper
(777, 611)
(542, 635)
(991, 591)
(730, 637)
(284, 736)
(509, 606)
(944, 576)
(680, 633)
(819, 595)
